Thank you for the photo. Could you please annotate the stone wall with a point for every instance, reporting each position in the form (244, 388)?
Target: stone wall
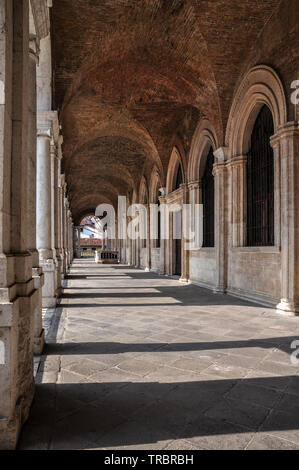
(202, 267)
(155, 259)
(255, 274)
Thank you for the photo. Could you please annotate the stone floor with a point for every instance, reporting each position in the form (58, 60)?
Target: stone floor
(139, 361)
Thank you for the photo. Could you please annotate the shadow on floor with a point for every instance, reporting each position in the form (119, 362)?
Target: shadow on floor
(108, 415)
(282, 343)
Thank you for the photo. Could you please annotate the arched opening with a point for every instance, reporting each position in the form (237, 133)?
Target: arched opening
(89, 237)
(260, 182)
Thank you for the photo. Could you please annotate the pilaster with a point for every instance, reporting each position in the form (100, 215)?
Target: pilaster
(237, 200)
(286, 146)
(221, 216)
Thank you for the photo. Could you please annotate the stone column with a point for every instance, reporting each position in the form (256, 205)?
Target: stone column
(185, 253)
(66, 233)
(148, 239)
(37, 272)
(61, 223)
(44, 211)
(63, 227)
(70, 239)
(221, 215)
(57, 218)
(286, 145)
(162, 199)
(53, 155)
(66, 247)
(18, 291)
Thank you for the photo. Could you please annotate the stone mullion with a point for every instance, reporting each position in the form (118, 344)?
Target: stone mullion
(194, 189)
(237, 200)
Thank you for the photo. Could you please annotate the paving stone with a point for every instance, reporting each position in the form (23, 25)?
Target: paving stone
(139, 367)
(255, 394)
(210, 434)
(238, 412)
(266, 442)
(283, 425)
(165, 368)
(192, 365)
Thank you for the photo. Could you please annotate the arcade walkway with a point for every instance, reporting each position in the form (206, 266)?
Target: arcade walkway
(139, 361)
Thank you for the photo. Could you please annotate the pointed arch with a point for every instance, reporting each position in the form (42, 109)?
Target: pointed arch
(203, 139)
(176, 159)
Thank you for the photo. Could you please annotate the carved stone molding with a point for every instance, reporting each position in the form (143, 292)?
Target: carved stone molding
(40, 12)
(51, 118)
(221, 154)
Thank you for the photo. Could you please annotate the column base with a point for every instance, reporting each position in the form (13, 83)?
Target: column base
(16, 369)
(49, 293)
(147, 270)
(8, 435)
(184, 280)
(10, 427)
(219, 290)
(288, 307)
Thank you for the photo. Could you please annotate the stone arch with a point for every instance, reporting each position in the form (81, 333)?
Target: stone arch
(176, 158)
(155, 185)
(260, 86)
(204, 137)
(143, 191)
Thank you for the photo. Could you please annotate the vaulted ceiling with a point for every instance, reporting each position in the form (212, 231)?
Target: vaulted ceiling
(131, 75)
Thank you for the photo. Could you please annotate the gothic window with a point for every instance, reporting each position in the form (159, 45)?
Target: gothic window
(260, 182)
(208, 202)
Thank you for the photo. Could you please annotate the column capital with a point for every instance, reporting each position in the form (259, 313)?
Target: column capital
(44, 129)
(194, 185)
(290, 129)
(162, 191)
(219, 167)
(235, 161)
(51, 117)
(221, 154)
(41, 17)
